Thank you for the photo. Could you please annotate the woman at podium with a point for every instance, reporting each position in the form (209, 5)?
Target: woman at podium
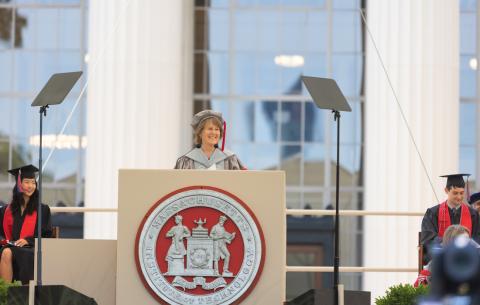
(18, 227)
(209, 128)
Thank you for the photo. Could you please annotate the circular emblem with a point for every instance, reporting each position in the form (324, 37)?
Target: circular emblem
(199, 245)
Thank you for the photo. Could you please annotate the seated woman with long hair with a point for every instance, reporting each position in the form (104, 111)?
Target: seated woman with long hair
(18, 227)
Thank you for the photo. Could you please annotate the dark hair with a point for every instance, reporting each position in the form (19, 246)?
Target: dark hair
(451, 187)
(18, 201)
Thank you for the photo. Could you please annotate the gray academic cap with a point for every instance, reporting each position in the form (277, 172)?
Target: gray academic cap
(455, 180)
(205, 114)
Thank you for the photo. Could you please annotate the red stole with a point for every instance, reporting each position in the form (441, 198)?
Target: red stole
(444, 218)
(28, 227)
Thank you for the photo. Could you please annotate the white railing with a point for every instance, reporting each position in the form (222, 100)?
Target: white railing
(298, 212)
(292, 212)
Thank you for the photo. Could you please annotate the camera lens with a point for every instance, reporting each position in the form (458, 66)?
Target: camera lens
(461, 261)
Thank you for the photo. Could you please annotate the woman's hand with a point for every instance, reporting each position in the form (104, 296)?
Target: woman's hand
(21, 243)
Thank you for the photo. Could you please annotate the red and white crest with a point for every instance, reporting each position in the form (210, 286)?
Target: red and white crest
(200, 245)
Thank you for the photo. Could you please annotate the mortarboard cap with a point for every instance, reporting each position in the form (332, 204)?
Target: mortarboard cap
(27, 171)
(474, 198)
(205, 114)
(455, 180)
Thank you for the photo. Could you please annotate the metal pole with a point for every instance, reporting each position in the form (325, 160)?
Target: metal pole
(336, 262)
(43, 112)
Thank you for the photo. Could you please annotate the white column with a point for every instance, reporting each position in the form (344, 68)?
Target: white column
(418, 42)
(139, 95)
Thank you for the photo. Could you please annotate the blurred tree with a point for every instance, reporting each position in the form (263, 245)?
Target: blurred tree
(6, 21)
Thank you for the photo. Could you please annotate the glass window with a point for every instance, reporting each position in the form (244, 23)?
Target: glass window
(272, 43)
(300, 282)
(316, 31)
(292, 31)
(468, 123)
(69, 28)
(24, 63)
(20, 2)
(290, 119)
(467, 161)
(223, 107)
(63, 166)
(243, 121)
(291, 81)
(266, 3)
(314, 200)
(245, 74)
(47, 63)
(6, 20)
(22, 152)
(346, 4)
(350, 125)
(47, 28)
(244, 151)
(266, 126)
(346, 31)
(25, 119)
(314, 164)
(5, 118)
(56, 118)
(468, 5)
(245, 30)
(349, 164)
(268, 75)
(266, 157)
(47, 40)
(294, 200)
(290, 163)
(219, 30)
(316, 65)
(267, 30)
(218, 71)
(4, 157)
(219, 3)
(313, 4)
(247, 3)
(468, 32)
(26, 21)
(467, 76)
(59, 2)
(6, 58)
(69, 61)
(347, 72)
(314, 123)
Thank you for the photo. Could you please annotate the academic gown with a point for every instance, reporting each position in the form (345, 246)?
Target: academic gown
(23, 257)
(196, 159)
(429, 235)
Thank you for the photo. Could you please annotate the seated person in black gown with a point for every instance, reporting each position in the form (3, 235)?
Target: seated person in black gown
(18, 227)
(475, 201)
(452, 211)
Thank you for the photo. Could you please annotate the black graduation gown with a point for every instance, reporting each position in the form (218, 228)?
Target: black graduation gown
(429, 232)
(23, 257)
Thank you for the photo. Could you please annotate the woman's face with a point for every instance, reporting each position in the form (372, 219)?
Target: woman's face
(28, 186)
(210, 134)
